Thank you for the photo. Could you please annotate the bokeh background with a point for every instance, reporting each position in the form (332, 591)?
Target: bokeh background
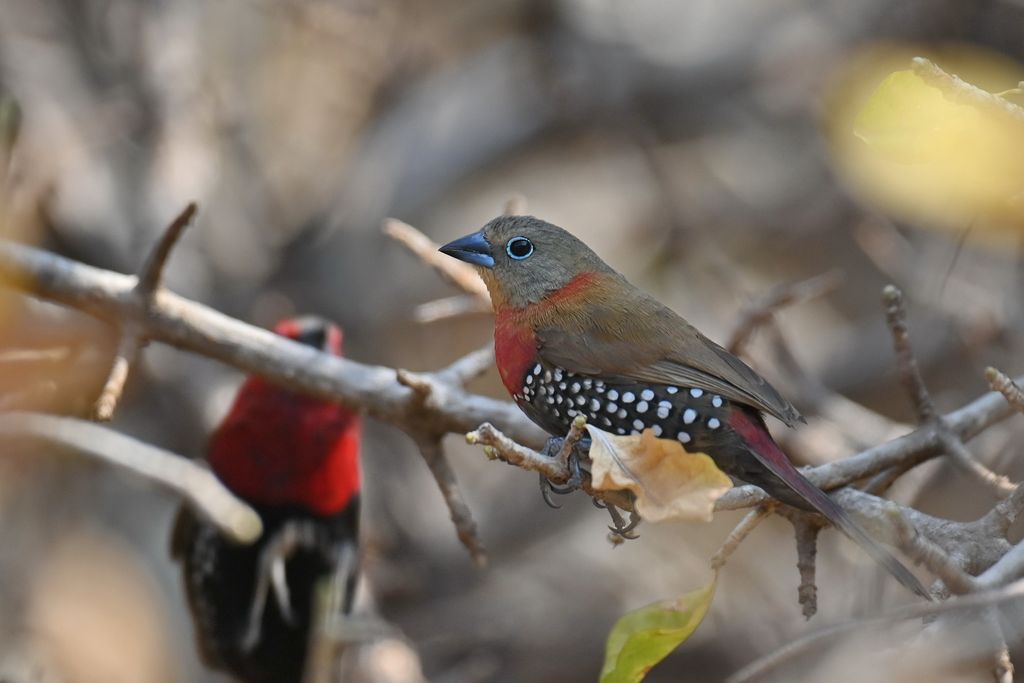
(687, 142)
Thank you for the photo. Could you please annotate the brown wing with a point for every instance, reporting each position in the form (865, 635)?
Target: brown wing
(658, 347)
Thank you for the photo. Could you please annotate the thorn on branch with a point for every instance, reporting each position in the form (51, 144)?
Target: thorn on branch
(1007, 387)
(133, 338)
(910, 373)
(461, 515)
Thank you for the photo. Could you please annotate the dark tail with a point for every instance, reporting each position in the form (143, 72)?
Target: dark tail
(763, 447)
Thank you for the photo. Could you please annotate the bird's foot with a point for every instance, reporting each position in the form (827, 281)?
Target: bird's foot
(272, 577)
(552, 449)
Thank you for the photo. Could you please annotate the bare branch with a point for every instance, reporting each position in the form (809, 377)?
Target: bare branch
(761, 310)
(758, 669)
(910, 373)
(133, 338)
(1007, 387)
(460, 513)
(450, 307)
(923, 551)
(958, 452)
(197, 328)
(749, 522)
(194, 483)
(456, 272)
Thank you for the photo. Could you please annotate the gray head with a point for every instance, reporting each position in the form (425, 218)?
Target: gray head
(523, 259)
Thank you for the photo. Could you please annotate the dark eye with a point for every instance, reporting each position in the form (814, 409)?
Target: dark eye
(519, 248)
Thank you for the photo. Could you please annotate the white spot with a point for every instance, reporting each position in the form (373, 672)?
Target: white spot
(611, 407)
(561, 385)
(537, 368)
(571, 412)
(529, 379)
(575, 388)
(580, 400)
(607, 422)
(557, 413)
(559, 399)
(662, 411)
(593, 415)
(638, 424)
(595, 404)
(628, 397)
(672, 390)
(620, 430)
(647, 395)
(713, 423)
(622, 413)
(683, 437)
(551, 400)
(641, 407)
(696, 393)
(612, 394)
(716, 401)
(558, 374)
(547, 377)
(656, 429)
(587, 384)
(689, 415)
(599, 385)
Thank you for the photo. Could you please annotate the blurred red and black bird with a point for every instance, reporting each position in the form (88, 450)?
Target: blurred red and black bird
(295, 459)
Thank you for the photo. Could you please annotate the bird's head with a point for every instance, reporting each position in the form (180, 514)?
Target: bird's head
(314, 331)
(523, 259)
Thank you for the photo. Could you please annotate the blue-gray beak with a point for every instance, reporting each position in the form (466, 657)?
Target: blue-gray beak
(473, 249)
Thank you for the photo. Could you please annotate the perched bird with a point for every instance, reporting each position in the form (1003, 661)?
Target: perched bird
(573, 337)
(295, 459)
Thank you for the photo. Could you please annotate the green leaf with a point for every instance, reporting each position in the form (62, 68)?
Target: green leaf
(642, 638)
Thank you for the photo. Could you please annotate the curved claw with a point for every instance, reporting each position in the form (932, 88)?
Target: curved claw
(620, 527)
(546, 489)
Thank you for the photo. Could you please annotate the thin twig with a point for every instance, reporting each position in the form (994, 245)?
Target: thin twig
(515, 206)
(194, 483)
(152, 271)
(760, 668)
(1007, 387)
(450, 307)
(749, 522)
(910, 373)
(761, 310)
(957, 451)
(461, 515)
(456, 272)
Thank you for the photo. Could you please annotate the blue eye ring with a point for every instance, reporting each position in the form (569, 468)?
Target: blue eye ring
(519, 248)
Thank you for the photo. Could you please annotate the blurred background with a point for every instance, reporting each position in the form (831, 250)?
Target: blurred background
(692, 144)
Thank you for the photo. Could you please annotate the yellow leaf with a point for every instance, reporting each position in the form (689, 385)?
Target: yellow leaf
(935, 150)
(643, 637)
(669, 483)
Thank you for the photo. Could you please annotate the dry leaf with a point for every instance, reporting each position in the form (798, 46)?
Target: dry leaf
(669, 483)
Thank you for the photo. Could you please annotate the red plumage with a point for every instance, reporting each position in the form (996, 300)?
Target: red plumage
(295, 459)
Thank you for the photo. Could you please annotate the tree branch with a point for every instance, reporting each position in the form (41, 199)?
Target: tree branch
(190, 481)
